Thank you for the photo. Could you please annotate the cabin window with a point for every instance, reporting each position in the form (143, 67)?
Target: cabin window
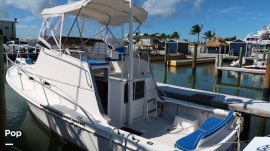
(138, 91)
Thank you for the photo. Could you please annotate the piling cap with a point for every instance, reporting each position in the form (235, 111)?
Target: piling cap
(1, 32)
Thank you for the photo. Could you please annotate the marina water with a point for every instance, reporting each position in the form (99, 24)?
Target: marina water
(34, 134)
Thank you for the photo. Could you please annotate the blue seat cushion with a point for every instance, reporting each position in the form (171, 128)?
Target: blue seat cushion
(95, 62)
(190, 142)
(210, 126)
(210, 122)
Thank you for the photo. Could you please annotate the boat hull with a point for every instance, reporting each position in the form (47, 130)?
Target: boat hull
(87, 137)
(73, 134)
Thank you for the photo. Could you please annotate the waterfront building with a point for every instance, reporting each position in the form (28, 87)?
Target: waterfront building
(9, 29)
(177, 46)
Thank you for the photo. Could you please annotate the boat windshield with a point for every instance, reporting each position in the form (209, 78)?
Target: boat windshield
(76, 20)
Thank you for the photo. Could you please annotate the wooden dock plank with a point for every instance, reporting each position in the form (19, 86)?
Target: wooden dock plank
(184, 62)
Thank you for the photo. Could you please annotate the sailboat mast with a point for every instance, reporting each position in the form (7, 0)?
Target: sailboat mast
(130, 65)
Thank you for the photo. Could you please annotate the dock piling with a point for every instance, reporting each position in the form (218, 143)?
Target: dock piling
(240, 57)
(246, 126)
(194, 59)
(266, 92)
(266, 87)
(2, 95)
(218, 73)
(220, 61)
(216, 62)
(166, 58)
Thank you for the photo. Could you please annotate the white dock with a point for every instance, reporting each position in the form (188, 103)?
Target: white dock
(246, 70)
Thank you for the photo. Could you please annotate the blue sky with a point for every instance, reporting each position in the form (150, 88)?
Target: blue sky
(226, 17)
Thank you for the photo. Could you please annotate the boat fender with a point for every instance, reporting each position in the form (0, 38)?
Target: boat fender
(28, 61)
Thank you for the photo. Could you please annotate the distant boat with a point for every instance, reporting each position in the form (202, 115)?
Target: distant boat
(260, 37)
(236, 63)
(260, 65)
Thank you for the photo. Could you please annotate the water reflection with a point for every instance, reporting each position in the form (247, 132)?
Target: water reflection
(233, 83)
(246, 85)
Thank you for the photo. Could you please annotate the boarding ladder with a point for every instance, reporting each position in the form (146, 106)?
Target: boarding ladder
(151, 108)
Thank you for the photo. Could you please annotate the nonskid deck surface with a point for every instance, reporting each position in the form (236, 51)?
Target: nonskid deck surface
(159, 129)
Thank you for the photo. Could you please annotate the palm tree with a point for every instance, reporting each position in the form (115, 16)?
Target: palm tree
(175, 35)
(196, 29)
(209, 34)
(146, 35)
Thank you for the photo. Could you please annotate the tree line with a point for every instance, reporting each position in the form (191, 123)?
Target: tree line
(195, 30)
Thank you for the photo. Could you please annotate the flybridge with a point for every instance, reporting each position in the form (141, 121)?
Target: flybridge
(106, 12)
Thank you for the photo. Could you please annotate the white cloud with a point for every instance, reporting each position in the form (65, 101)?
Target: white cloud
(162, 8)
(197, 4)
(255, 18)
(34, 6)
(166, 8)
(233, 9)
(3, 11)
(28, 18)
(70, 1)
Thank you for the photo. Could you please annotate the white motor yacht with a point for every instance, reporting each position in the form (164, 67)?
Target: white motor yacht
(98, 96)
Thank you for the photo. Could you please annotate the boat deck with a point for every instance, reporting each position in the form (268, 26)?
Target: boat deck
(160, 130)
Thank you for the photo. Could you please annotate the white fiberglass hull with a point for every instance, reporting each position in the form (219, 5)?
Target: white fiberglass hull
(90, 137)
(72, 133)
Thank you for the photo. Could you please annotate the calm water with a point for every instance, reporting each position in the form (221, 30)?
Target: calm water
(249, 85)
(19, 117)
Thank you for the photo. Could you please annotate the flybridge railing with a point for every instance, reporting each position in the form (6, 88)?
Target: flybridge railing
(109, 56)
(143, 55)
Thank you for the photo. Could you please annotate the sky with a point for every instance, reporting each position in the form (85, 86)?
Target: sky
(226, 17)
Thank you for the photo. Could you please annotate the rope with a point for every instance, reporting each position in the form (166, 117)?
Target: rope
(239, 122)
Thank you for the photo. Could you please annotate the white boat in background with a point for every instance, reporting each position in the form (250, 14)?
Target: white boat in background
(236, 63)
(260, 41)
(102, 99)
(259, 65)
(260, 37)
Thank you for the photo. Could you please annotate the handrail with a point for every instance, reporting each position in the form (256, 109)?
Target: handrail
(133, 138)
(69, 100)
(156, 87)
(118, 133)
